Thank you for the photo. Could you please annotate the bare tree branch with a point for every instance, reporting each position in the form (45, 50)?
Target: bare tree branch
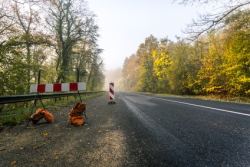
(206, 22)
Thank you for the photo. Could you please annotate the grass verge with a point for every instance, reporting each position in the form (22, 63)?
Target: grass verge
(18, 113)
(224, 98)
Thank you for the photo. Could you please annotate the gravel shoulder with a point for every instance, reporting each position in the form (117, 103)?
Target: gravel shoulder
(100, 142)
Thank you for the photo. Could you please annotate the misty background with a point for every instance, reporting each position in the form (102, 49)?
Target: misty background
(112, 76)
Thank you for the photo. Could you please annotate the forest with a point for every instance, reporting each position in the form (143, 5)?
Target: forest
(215, 61)
(59, 37)
(55, 37)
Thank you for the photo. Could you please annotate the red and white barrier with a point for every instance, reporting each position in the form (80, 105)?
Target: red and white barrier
(111, 92)
(57, 87)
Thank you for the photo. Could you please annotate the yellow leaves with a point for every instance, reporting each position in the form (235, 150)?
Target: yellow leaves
(2, 148)
(247, 92)
(36, 147)
(161, 62)
(109, 138)
(45, 134)
(244, 79)
(154, 53)
(13, 162)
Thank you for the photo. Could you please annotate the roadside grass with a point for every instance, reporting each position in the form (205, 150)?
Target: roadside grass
(235, 99)
(18, 113)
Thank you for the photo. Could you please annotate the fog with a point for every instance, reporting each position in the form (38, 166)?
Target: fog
(112, 76)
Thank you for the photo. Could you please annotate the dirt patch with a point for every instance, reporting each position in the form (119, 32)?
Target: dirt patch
(100, 142)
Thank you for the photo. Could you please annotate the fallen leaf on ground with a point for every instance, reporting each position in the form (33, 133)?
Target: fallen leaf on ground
(22, 148)
(35, 147)
(2, 148)
(13, 162)
(45, 134)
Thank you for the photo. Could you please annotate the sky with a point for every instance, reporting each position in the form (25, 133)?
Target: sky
(124, 25)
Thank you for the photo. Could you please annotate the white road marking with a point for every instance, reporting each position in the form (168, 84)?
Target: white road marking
(218, 109)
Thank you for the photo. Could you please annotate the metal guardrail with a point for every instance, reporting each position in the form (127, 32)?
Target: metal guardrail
(31, 97)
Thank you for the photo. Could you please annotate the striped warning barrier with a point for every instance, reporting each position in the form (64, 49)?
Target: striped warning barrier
(111, 93)
(57, 87)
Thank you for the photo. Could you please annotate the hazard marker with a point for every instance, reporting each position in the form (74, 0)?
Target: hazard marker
(111, 93)
(57, 87)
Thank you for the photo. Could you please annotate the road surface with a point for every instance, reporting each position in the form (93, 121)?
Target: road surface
(139, 130)
(189, 132)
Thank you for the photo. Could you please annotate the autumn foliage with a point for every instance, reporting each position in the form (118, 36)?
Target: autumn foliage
(216, 63)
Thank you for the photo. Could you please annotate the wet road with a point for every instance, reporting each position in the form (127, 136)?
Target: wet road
(173, 131)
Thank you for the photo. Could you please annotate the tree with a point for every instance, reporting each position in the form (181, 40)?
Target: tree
(20, 39)
(211, 75)
(236, 63)
(147, 79)
(7, 22)
(72, 23)
(66, 41)
(223, 9)
(130, 74)
(161, 64)
(27, 19)
(95, 77)
(12, 69)
(178, 71)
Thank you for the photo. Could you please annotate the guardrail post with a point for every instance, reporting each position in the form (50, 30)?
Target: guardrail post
(38, 81)
(77, 74)
(39, 76)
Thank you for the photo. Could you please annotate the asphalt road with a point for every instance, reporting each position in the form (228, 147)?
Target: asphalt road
(175, 131)
(139, 130)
